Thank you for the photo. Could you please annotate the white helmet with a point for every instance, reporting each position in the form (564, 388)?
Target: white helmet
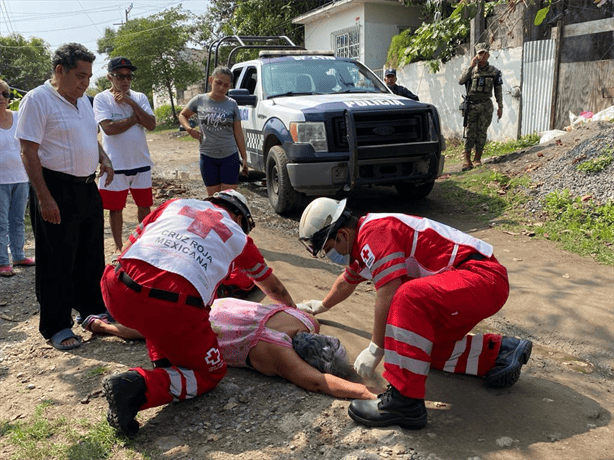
(321, 218)
(237, 204)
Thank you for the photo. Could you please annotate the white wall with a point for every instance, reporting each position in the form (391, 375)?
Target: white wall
(443, 91)
(382, 22)
(318, 33)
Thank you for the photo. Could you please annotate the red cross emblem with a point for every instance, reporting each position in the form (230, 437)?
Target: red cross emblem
(213, 356)
(365, 254)
(205, 222)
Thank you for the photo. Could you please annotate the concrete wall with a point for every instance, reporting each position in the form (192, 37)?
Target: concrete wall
(318, 34)
(382, 22)
(443, 91)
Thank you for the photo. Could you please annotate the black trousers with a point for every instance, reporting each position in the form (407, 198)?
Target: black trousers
(69, 255)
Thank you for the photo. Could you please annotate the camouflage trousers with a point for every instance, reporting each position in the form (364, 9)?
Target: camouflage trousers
(479, 118)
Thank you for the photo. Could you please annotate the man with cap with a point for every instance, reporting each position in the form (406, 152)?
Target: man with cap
(433, 285)
(123, 115)
(390, 78)
(163, 286)
(481, 79)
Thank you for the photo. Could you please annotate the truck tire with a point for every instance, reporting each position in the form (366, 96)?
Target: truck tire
(414, 192)
(282, 196)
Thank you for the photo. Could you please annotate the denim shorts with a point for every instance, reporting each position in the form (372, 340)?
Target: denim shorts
(216, 171)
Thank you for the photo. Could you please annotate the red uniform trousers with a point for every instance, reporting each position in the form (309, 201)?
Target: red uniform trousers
(430, 317)
(173, 330)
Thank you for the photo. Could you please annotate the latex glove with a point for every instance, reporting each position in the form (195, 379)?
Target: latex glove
(368, 360)
(312, 307)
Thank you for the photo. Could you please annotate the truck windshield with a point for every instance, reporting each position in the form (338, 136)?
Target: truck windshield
(317, 75)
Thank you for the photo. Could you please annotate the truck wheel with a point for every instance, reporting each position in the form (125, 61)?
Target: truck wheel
(282, 196)
(414, 192)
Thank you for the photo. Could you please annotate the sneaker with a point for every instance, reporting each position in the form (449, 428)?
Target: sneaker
(391, 408)
(512, 355)
(125, 394)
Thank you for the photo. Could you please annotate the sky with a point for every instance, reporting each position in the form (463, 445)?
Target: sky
(82, 21)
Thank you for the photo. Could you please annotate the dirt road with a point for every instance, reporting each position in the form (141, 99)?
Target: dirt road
(560, 409)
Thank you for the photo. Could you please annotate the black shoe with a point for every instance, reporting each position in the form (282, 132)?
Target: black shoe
(125, 394)
(512, 355)
(391, 408)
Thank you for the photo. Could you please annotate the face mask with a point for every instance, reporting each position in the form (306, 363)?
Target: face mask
(337, 258)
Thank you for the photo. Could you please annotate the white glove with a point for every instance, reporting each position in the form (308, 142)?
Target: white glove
(312, 307)
(368, 360)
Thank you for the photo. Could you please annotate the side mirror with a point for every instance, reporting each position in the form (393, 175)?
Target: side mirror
(243, 97)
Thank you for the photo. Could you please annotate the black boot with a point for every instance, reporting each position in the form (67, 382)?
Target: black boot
(391, 408)
(512, 355)
(125, 394)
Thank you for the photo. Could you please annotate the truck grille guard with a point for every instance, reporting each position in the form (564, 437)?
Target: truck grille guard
(363, 155)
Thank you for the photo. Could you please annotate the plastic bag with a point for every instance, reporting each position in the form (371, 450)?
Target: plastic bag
(547, 136)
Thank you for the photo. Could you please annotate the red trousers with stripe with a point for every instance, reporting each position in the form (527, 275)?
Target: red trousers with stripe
(175, 331)
(428, 323)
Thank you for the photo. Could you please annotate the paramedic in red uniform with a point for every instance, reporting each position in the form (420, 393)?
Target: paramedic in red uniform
(163, 285)
(434, 284)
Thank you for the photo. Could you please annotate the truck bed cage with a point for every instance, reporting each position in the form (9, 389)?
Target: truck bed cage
(241, 42)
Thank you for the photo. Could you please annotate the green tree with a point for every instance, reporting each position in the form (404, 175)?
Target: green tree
(158, 46)
(24, 64)
(258, 17)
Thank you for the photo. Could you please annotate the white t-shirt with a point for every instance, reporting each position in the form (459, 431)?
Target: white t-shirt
(11, 166)
(67, 135)
(127, 150)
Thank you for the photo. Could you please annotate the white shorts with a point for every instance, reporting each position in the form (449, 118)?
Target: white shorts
(123, 182)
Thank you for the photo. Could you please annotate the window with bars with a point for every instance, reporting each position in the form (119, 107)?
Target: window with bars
(346, 42)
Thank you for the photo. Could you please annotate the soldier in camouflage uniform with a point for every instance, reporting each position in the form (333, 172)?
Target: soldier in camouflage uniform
(480, 78)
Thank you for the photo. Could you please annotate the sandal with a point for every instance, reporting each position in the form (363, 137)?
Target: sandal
(27, 262)
(6, 270)
(467, 167)
(87, 322)
(63, 335)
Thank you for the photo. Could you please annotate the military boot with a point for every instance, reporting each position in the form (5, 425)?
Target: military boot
(467, 165)
(391, 408)
(477, 159)
(512, 355)
(125, 394)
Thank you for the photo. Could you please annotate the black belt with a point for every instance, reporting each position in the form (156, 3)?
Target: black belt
(133, 172)
(69, 177)
(474, 256)
(159, 293)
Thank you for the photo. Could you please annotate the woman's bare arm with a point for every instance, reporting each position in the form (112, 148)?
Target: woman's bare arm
(271, 359)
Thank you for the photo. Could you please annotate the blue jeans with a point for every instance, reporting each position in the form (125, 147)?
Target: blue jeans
(13, 200)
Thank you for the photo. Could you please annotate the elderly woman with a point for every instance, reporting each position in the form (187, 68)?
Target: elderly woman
(13, 189)
(272, 339)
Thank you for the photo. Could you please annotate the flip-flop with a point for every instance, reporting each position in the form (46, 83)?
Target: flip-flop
(27, 262)
(64, 334)
(87, 322)
(7, 271)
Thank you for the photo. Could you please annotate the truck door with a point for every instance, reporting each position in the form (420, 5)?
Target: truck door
(252, 125)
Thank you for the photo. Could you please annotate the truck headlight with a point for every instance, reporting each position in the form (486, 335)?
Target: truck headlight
(313, 133)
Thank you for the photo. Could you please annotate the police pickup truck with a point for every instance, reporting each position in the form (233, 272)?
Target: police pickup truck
(317, 124)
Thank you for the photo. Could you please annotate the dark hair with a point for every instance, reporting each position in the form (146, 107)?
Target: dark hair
(222, 70)
(324, 352)
(68, 54)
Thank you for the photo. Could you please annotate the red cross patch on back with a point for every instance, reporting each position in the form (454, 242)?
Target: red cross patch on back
(205, 222)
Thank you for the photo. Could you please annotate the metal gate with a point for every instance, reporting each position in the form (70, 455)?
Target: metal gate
(537, 78)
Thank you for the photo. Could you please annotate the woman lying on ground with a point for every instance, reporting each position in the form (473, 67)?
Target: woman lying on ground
(272, 339)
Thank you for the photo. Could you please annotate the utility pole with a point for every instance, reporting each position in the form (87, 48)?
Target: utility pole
(128, 11)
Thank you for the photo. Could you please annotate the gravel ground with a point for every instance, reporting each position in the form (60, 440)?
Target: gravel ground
(553, 166)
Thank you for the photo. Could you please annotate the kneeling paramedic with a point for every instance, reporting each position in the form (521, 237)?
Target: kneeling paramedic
(163, 285)
(434, 284)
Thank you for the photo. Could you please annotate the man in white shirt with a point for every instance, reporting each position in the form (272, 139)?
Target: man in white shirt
(123, 114)
(60, 151)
